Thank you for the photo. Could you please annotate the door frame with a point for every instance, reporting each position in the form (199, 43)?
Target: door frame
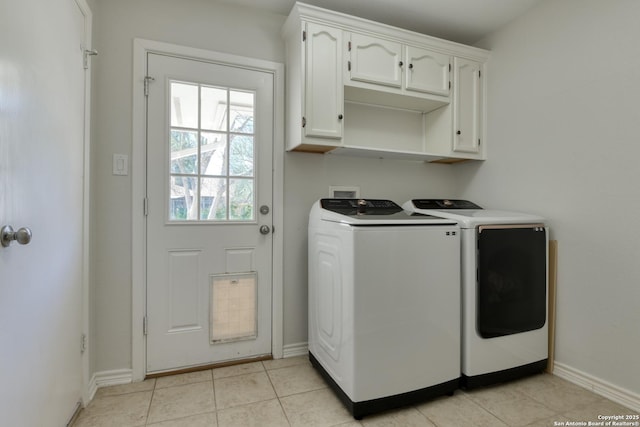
(141, 47)
(86, 390)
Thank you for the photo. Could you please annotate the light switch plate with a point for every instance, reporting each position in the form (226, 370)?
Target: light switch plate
(120, 164)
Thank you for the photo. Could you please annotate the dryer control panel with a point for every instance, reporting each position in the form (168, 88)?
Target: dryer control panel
(444, 204)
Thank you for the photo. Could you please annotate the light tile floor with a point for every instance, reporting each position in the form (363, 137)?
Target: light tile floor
(289, 392)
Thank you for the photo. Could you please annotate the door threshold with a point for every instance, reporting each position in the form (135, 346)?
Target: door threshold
(208, 366)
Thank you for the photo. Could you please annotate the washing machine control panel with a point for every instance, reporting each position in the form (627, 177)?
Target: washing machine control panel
(361, 206)
(444, 204)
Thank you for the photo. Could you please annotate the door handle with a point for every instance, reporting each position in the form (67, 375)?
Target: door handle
(7, 235)
(265, 229)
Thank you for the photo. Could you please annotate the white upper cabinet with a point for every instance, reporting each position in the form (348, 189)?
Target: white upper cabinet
(323, 92)
(427, 71)
(374, 60)
(413, 71)
(358, 87)
(467, 115)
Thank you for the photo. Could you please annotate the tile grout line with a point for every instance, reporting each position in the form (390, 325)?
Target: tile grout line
(276, 393)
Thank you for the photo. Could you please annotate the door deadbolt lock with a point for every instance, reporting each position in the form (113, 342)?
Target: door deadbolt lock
(7, 235)
(264, 209)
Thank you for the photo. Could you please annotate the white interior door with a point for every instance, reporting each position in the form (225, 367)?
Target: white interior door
(209, 191)
(42, 104)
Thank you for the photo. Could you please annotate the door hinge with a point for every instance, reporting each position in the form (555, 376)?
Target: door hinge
(83, 343)
(478, 142)
(349, 46)
(449, 84)
(147, 80)
(449, 67)
(479, 73)
(86, 53)
(145, 206)
(348, 65)
(304, 36)
(144, 325)
(304, 121)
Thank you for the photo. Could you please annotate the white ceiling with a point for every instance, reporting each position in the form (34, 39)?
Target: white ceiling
(463, 21)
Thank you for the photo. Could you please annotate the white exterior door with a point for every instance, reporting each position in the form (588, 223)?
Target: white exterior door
(209, 190)
(42, 152)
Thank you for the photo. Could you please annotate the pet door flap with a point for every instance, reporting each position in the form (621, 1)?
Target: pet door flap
(234, 305)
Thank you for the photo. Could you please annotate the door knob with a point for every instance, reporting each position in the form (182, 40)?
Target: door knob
(265, 229)
(7, 235)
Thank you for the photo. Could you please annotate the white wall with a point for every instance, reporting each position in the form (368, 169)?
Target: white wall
(208, 25)
(564, 126)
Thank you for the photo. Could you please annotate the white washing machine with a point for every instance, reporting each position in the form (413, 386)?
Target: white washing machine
(504, 290)
(384, 303)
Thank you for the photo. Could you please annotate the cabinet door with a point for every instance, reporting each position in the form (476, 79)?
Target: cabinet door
(467, 105)
(375, 61)
(324, 97)
(426, 71)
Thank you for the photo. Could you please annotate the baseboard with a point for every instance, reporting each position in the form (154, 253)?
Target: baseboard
(296, 349)
(107, 378)
(612, 392)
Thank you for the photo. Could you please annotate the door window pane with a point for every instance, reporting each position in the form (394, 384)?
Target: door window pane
(241, 155)
(184, 105)
(212, 153)
(184, 152)
(242, 104)
(214, 108)
(213, 199)
(184, 194)
(241, 199)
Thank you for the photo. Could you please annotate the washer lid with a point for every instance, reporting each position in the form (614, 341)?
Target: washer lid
(373, 212)
(470, 218)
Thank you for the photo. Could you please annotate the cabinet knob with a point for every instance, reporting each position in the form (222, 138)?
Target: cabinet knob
(411, 66)
(339, 116)
(458, 133)
(401, 63)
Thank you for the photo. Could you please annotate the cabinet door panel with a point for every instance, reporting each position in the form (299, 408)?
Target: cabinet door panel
(375, 61)
(427, 71)
(324, 90)
(467, 106)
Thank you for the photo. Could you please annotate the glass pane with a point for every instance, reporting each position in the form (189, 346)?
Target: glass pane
(213, 148)
(214, 108)
(184, 105)
(241, 199)
(241, 155)
(233, 308)
(213, 199)
(242, 104)
(184, 152)
(184, 194)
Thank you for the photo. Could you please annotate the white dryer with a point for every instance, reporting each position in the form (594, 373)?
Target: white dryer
(384, 303)
(504, 290)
